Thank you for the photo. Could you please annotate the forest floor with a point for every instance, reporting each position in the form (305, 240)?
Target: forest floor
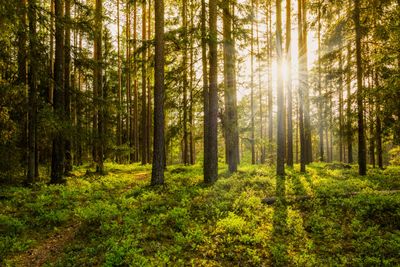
(117, 219)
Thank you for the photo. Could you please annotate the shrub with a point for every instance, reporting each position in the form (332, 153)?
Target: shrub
(395, 156)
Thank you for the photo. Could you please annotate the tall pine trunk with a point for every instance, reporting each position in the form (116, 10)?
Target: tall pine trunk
(157, 176)
(280, 164)
(67, 83)
(58, 153)
(206, 97)
(349, 128)
(231, 123)
(303, 155)
(289, 85)
(144, 127)
(32, 94)
(211, 165)
(362, 161)
(252, 123)
(185, 84)
(98, 88)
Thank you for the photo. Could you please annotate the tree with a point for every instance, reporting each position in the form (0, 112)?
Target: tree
(67, 83)
(230, 92)
(289, 85)
(58, 149)
(144, 126)
(157, 176)
(280, 164)
(98, 88)
(362, 161)
(252, 127)
(301, 88)
(211, 165)
(32, 83)
(206, 97)
(185, 84)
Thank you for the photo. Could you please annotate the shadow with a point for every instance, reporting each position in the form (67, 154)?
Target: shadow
(278, 247)
(298, 186)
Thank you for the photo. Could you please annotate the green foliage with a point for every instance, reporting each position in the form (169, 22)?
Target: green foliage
(124, 222)
(395, 156)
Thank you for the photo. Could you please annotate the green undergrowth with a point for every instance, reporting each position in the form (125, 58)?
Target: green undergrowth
(123, 221)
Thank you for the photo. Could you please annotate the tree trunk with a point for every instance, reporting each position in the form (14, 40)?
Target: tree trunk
(144, 87)
(303, 155)
(289, 85)
(67, 83)
(280, 164)
(149, 106)
(270, 96)
(362, 163)
(252, 137)
(230, 94)
(119, 92)
(211, 166)
(135, 87)
(340, 107)
(98, 87)
(307, 123)
(185, 85)
(206, 97)
(349, 127)
(128, 79)
(157, 176)
(32, 83)
(58, 153)
(192, 155)
(260, 93)
(320, 100)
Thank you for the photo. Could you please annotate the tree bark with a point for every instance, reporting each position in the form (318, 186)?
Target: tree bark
(157, 176)
(58, 153)
(119, 92)
(230, 93)
(289, 85)
(144, 127)
(349, 127)
(67, 84)
(98, 87)
(280, 164)
(211, 166)
(32, 95)
(362, 163)
(303, 159)
(252, 124)
(206, 97)
(185, 84)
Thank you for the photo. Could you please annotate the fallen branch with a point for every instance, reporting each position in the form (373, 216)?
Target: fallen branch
(299, 198)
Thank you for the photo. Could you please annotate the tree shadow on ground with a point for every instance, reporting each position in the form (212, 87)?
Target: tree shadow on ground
(278, 247)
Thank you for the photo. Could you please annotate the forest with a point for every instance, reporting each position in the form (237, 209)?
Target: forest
(199, 132)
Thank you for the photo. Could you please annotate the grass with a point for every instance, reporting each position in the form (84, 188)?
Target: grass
(122, 221)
